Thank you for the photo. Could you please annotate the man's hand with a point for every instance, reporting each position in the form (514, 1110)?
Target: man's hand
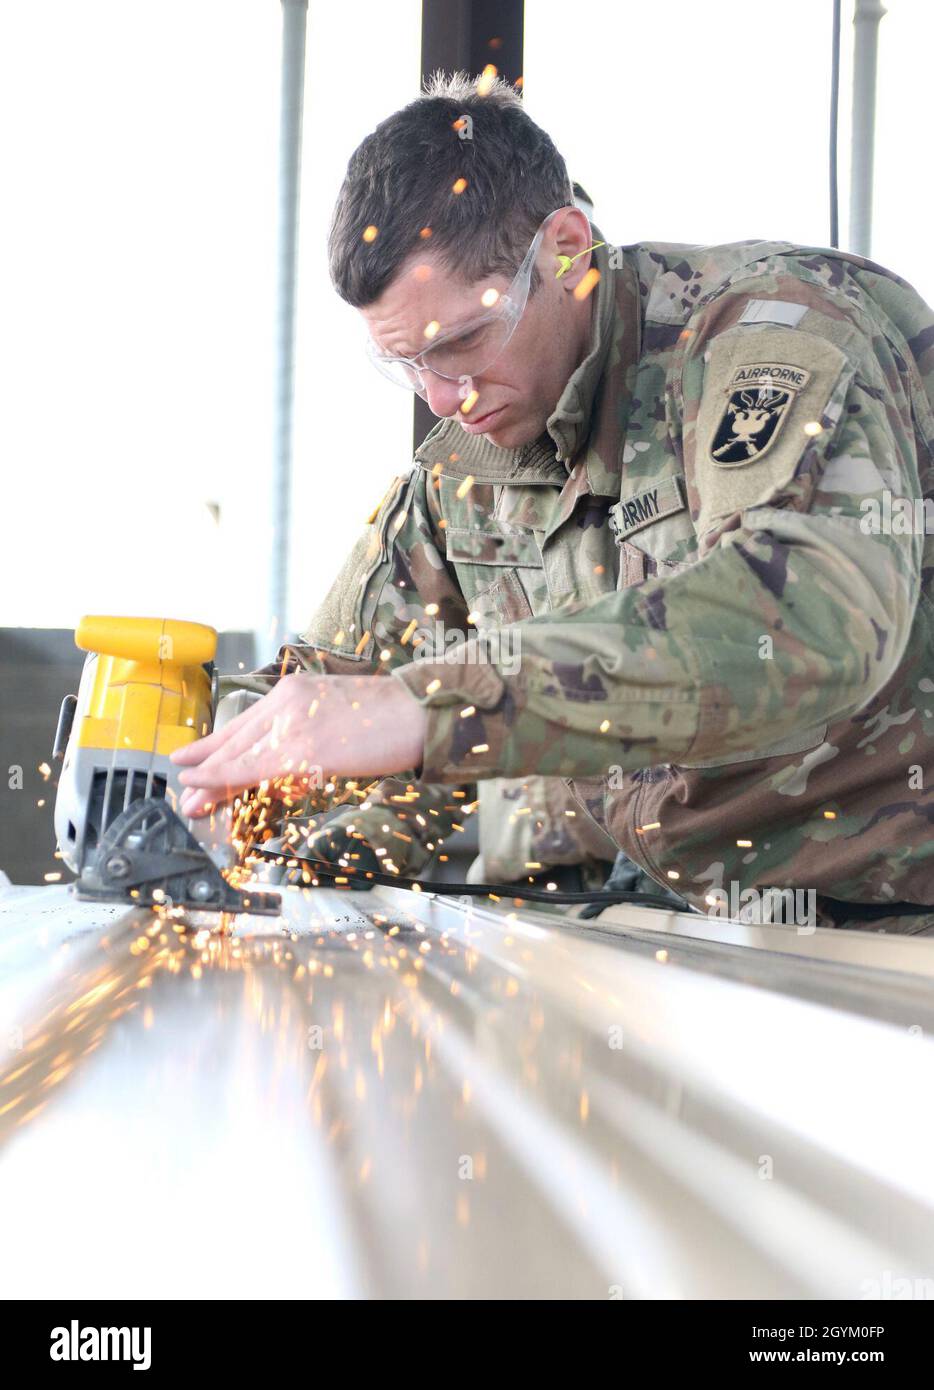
(341, 726)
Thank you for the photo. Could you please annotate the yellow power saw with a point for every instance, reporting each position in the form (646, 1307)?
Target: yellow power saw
(148, 687)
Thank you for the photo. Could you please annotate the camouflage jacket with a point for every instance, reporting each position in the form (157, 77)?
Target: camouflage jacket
(696, 594)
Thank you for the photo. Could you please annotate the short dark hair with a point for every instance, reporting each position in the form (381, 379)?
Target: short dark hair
(400, 187)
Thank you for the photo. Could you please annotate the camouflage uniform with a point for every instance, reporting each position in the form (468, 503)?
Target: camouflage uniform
(677, 599)
(528, 825)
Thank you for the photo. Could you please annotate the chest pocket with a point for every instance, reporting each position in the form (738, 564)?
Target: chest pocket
(500, 573)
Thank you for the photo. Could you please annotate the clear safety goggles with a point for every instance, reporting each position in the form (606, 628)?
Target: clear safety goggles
(474, 345)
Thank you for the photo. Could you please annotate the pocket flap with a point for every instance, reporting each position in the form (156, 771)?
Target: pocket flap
(801, 742)
(484, 546)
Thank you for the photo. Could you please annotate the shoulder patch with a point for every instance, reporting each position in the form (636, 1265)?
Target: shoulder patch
(758, 403)
(764, 398)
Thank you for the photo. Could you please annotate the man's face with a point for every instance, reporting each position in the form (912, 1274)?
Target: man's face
(517, 393)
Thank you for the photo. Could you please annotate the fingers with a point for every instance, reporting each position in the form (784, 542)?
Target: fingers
(240, 735)
(257, 716)
(205, 783)
(302, 722)
(266, 761)
(255, 751)
(195, 803)
(242, 751)
(193, 753)
(253, 748)
(271, 714)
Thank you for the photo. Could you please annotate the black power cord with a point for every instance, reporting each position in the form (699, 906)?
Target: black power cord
(350, 879)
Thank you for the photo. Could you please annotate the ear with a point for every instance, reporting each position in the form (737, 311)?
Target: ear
(568, 236)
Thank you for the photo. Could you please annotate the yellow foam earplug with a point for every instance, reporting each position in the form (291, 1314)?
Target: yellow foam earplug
(565, 262)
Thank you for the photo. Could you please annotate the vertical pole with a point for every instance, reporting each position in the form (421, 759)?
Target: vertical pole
(466, 36)
(294, 18)
(865, 53)
(834, 113)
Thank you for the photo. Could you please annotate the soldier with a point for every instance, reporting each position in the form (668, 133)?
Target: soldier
(529, 827)
(646, 547)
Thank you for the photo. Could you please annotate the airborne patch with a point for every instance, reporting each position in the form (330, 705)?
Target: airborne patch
(759, 400)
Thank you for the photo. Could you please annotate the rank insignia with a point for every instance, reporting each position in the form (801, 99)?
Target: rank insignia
(759, 400)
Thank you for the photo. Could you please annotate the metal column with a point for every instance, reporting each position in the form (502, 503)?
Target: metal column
(865, 52)
(294, 18)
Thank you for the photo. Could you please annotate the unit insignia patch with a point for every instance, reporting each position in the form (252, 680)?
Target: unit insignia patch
(759, 400)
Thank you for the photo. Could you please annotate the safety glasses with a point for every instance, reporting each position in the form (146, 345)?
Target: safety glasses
(474, 345)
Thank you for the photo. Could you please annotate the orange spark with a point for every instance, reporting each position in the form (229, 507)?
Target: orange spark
(587, 284)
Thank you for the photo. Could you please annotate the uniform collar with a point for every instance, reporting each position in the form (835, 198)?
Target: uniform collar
(570, 423)
(597, 432)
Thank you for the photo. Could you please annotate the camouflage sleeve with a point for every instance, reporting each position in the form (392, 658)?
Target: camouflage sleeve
(394, 585)
(394, 582)
(411, 822)
(794, 614)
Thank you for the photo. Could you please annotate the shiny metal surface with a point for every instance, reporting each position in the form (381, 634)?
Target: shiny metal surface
(876, 950)
(398, 1095)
